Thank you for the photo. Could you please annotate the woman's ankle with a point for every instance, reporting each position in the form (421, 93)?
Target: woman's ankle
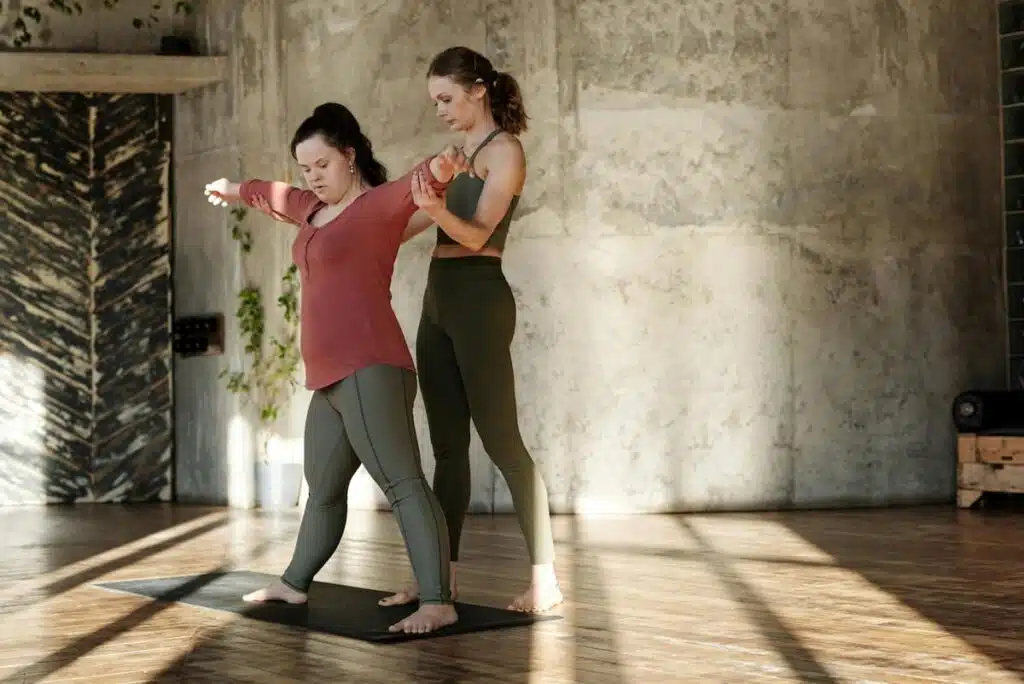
(543, 574)
(437, 602)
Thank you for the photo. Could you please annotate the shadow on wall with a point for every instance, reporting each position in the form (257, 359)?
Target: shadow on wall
(33, 429)
(47, 452)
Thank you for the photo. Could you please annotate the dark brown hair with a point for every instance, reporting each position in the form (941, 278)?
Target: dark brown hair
(340, 128)
(467, 67)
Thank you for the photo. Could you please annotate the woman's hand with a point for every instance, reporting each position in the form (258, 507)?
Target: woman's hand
(222, 192)
(260, 203)
(448, 164)
(424, 196)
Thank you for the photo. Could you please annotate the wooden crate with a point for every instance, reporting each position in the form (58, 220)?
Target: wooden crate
(988, 463)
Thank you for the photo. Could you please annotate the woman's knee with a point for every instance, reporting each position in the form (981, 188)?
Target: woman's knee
(325, 498)
(505, 446)
(412, 486)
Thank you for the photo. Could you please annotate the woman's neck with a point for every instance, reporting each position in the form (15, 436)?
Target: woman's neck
(480, 130)
(357, 188)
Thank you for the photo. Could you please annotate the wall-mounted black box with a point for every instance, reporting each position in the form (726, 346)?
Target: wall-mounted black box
(199, 336)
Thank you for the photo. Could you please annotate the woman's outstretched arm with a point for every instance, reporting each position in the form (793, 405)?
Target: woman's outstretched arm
(281, 201)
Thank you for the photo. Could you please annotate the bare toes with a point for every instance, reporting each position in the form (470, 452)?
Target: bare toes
(400, 598)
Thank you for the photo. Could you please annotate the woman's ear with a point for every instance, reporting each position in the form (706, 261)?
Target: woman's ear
(477, 91)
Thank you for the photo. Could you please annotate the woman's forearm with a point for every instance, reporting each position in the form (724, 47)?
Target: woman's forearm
(417, 224)
(469, 234)
(232, 192)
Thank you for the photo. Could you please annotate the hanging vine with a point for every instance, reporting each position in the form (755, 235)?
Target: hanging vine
(30, 14)
(272, 363)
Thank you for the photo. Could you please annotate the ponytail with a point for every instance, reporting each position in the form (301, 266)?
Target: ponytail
(507, 103)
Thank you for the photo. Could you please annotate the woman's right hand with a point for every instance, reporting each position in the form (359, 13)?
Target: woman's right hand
(222, 192)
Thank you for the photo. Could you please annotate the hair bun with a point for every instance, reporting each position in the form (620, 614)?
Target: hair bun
(330, 109)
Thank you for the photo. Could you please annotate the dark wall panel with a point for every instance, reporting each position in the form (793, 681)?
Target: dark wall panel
(85, 299)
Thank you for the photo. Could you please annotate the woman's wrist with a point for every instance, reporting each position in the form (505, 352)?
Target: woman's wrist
(433, 167)
(437, 212)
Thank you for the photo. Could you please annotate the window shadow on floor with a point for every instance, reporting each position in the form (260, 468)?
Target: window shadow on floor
(957, 569)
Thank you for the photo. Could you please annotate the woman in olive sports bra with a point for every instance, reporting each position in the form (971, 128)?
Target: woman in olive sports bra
(469, 312)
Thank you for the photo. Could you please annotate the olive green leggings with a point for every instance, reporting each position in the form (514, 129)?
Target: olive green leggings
(366, 419)
(465, 373)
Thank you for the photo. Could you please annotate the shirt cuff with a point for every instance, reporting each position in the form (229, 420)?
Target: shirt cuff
(246, 189)
(437, 185)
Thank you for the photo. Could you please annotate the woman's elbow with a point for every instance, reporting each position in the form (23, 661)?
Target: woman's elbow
(479, 240)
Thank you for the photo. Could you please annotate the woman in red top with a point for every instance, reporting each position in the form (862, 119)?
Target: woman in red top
(350, 226)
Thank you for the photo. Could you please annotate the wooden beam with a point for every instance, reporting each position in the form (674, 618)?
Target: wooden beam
(79, 72)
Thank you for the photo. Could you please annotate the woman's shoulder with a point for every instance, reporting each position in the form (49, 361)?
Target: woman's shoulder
(506, 140)
(504, 149)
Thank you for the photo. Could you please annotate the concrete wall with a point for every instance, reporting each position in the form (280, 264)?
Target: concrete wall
(757, 256)
(85, 299)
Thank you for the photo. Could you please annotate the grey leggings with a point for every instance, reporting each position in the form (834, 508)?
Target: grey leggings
(366, 419)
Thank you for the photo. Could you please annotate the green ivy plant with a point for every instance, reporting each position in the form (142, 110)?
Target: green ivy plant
(272, 361)
(31, 15)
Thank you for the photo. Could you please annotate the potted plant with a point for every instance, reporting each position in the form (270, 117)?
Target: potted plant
(268, 381)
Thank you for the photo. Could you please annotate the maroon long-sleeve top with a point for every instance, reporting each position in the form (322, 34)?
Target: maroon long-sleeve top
(346, 266)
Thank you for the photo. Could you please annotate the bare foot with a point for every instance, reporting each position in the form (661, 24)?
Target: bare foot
(411, 594)
(407, 595)
(427, 619)
(538, 598)
(278, 591)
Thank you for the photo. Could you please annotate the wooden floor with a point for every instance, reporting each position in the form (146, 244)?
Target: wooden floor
(899, 596)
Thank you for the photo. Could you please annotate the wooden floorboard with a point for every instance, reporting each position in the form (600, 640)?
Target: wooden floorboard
(909, 596)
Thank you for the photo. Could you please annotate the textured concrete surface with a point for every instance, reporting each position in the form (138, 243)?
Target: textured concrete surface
(85, 295)
(757, 255)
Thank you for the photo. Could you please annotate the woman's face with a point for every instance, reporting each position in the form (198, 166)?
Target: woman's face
(325, 168)
(457, 107)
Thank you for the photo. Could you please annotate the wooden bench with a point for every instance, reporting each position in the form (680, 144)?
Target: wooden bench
(988, 463)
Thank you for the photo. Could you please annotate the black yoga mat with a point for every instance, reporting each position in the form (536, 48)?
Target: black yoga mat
(331, 609)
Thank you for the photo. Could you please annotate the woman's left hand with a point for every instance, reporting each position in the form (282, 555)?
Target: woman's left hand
(423, 194)
(260, 203)
(449, 163)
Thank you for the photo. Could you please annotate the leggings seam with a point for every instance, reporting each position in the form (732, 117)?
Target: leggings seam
(380, 467)
(411, 434)
(366, 428)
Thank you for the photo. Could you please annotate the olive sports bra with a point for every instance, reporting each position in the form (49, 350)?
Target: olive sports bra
(462, 197)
